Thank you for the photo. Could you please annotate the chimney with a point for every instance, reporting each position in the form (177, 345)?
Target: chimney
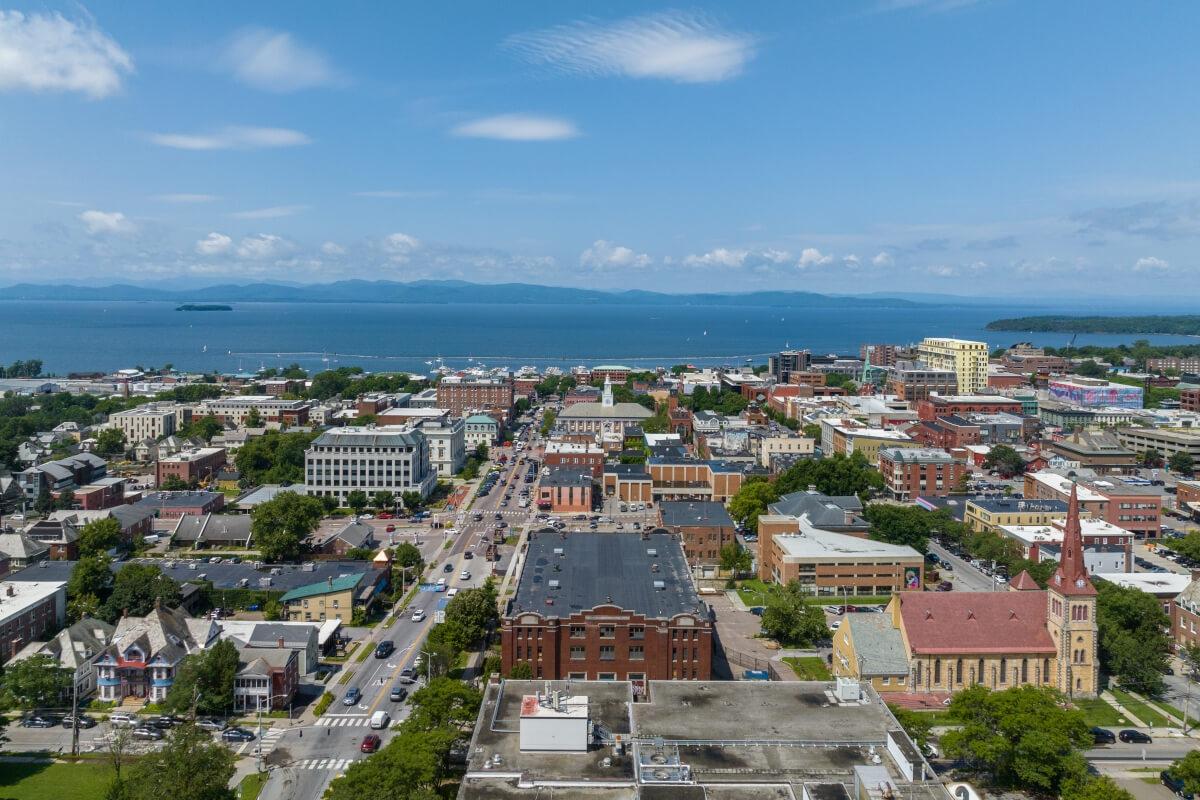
(8, 590)
(279, 642)
(330, 581)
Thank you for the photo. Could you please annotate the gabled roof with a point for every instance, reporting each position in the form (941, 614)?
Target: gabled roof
(977, 622)
(356, 534)
(878, 643)
(1024, 582)
(339, 584)
(21, 546)
(166, 633)
(76, 645)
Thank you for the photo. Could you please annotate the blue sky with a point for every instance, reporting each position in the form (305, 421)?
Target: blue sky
(922, 145)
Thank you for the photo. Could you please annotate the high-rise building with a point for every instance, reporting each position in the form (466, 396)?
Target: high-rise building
(393, 459)
(968, 360)
(783, 364)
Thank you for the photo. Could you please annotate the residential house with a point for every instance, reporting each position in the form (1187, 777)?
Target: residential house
(144, 653)
(266, 679)
(335, 598)
(75, 648)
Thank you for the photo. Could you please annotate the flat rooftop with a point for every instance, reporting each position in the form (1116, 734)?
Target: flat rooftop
(694, 514)
(593, 569)
(815, 544)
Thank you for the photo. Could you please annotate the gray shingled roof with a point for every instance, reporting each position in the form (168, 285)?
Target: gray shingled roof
(694, 514)
(600, 568)
(878, 644)
(823, 511)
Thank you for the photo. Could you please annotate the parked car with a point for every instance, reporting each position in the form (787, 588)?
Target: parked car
(164, 722)
(352, 696)
(237, 735)
(147, 734)
(408, 675)
(80, 721)
(122, 719)
(448, 568)
(1135, 737)
(370, 743)
(210, 724)
(1175, 785)
(465, 575)
(1103, 736)
(468, 555)
(384, 649)
(398, 694)
(39, 721)
(418, 615)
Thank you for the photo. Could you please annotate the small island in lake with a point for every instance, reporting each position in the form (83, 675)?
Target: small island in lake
(203, 307)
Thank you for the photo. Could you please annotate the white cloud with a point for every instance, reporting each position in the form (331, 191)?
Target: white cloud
(1150, 264)
(603, 254)
(276, 62)
(214, 244)
(262, 246)
(274, 212)
(883, 259)
(104, 222)
(232, 138)
(185, 198)
(776, 256)
(677, 46)
(812, 257)
(720, 257)
(851, 261)
(333, 249)
(942, 270)
(518, 128)
(399, 246)
(48, 52)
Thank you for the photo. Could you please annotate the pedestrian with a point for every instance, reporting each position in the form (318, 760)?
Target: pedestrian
(327, 731)
(301, 733)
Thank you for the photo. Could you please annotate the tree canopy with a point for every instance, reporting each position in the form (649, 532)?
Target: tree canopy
(903, 525)
(1134, 644)
(751, 501)
(136, 589)
(281, 525)
(1005, 460)
(35, 681)
(274, 457)
(98, 537)
(110, 441)
(792, 621)
(205, 678)
(190, 764)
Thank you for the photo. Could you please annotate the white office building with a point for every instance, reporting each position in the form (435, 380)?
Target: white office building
(369, 459)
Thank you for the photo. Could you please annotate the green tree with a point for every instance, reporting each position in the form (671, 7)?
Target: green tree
(99, 536)
(1005, 460)
(253, 418)
(792, 621)
(412, 500)
(521, 671)
(281, 525)
(1098, 787)
(44, 503)
(83, 605)
(1022, 737)
(481, 451)
(812, 430)
(136, 590)
(110, 441)
(735, 558)
(272, 610)
(834, 475)
(407, 554)
(474, 610)
(444, 701)
(1151, 458)
(1090, 369)
(90, 576)
(274, 457)
(383, 501)
(903, 525)
(190, 764)
(1187, 769)
(35, 682)
(174, 483)
(915, 723)
(1181, 462)
(66, 499)
(412, 766)
(329, 384)
(205, 427)
(206, 679)
(751, 501)
(357, 501)
(548, 422)
(1134, 644)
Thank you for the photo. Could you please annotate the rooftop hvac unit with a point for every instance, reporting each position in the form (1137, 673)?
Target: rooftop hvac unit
(660, 585)
(652, 552)
(553, 584)
(558, 551)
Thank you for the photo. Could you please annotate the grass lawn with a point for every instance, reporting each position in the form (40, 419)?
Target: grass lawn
(252, 785)
(755, 593)
(808, 668)
(1139, 709)
(84, 781)
(1098, 712)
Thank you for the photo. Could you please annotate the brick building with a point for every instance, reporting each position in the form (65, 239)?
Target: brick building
(190, 465)
(270, 409)
(566, 490)
(172, 505)
(464, 396)
(704, 528)
(574, 454)
(28, 611)
(1134, 508)
(602, 606)
(914, 382)
(616, 373)
(1189, 399)
(944, 405)
(910, 472)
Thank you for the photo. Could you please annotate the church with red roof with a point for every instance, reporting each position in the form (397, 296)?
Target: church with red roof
(941, 642)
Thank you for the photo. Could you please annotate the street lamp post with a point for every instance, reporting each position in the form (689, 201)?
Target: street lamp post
(259, 705)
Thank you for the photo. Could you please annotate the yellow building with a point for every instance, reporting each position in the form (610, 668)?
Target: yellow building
(991, 513)
(947, 641)
(966, 359)
(335, 598)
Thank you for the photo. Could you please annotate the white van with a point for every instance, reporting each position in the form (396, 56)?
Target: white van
(380, 720)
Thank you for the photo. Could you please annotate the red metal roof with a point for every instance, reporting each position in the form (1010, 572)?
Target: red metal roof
(1024, 582)
(976, 622)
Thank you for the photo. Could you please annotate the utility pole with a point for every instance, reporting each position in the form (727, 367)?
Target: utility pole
(75, 715)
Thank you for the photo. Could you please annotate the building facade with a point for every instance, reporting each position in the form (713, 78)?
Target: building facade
(344, 460)
(190, 466)
(704, 527)
(966, 359)
(910, 472)
(465, 396)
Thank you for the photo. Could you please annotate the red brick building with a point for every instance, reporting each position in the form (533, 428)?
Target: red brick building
(602, 606)
(944, 405)
(945, 433)
(911, 472)
(1133, 508)
(465, 396)
(1189, 399)
(572, 454)
(172, 505)
(190, 465)
(566, 490)
(703, 527)
(614, 373)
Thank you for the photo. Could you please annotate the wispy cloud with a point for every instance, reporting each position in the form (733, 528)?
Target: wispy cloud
(50, 53)
(883, 259)
(185, 198)
(99, 223)
(606, 255)
(1154, 220)
(518, 128)
(677, 46)
(263, 246)
(274, 212)
(214, 244)
(276, 61)
(399, 247)
(736, 258)
(232, 138)
(398, 194)
(1150, 264)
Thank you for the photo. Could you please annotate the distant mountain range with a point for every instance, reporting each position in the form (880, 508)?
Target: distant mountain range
(359, 291)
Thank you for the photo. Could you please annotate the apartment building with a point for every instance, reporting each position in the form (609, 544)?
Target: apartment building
(190, 465)
(29, 610)
(912, 382)
(968, 360)
(1190, 365)
(911, 472)
(464, 396)
(783, 364)
(598, 606)
(1189, 399)
(151, 421)
(234, 410)
(575, 454)
(1134, 508)
(370, 460)
(704, 527)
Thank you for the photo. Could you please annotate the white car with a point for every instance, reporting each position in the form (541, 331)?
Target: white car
(465, 575)
(451, 593)
(418, 615)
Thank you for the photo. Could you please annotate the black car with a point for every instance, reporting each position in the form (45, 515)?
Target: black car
(468, 555)
(398, 694)
(146, 733)
(39, 721)
(1175, 785)
(1136, 737)
(82, 721)
(237, 735)
(165, 721)
(384, 649)
(1103, 736)
(448, 568)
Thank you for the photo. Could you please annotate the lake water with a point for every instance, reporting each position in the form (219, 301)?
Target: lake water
(94, 336)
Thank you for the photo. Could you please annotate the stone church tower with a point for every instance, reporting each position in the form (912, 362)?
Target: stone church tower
(1071, 614)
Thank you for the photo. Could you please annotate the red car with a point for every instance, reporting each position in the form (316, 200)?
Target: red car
(370, 743)
(391, 529)
(384, 515)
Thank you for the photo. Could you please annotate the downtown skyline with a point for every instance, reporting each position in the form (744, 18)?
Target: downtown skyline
(947, 146)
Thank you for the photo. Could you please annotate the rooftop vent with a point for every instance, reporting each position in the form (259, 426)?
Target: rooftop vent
(559, 551)
(660, 585)
(553, 583)
(652, 552)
